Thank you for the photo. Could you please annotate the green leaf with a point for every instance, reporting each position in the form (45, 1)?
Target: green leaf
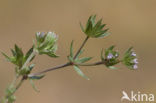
(29, 53)
(92, 19)
(71, 49)
(94, 29)
(82, 27)
(89, 28)
(129, 50)
(88, 22)
(7, 57)
(36, 77)
(70, 59)
(13, 53)
(18, 51)
(19, 57)
(52, 55)
(104, 34)
(111, 47)
(112, 67)
(31, 66)
(102, 58)
(33, 85)
(85, 59)
(76, 68)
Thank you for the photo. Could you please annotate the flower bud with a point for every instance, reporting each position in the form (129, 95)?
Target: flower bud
(46, 43)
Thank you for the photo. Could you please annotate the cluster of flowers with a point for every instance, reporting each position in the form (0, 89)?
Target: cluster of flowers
(130, 59)
(135, 61)
(111, 58)
(46, 43)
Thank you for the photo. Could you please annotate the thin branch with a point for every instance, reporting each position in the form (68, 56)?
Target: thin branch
(50, 69)
(16, 88)
(84, 42)
(63, 65)
(92, 64)
(19, 85)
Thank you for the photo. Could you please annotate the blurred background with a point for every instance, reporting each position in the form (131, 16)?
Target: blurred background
(131, 23)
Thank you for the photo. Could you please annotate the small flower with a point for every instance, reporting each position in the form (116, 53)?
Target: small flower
(40, 34)
(110, 56)
(135, 60)
(135, 66)
(133, 54)
(116, 55)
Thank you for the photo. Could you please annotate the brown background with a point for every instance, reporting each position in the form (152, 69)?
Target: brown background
(131, 22)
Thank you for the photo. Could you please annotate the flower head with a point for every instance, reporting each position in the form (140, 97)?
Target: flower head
(130, 59)
(111, 56)
(46, 43)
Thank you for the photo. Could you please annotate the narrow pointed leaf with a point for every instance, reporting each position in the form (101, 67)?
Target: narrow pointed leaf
(36, 77)
(102, 58)
(18, 50)
(31, 66)
(33, 85)
(105, 34)
(7, 57)
(13, 52)
(112, 67)
(111, 47)
(71, 49)
(93, 19)
(129, 50)
(52, 55)
(70, 58)
(83, 60)
(76, 68)
(28, 53)
(82, 27)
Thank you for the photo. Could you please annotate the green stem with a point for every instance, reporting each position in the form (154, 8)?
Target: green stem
(23, 78)
(18, 85)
